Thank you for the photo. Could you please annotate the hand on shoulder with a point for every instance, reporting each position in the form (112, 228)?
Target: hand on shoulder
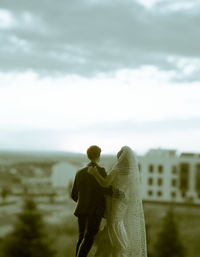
(92, 170)
(118, 194)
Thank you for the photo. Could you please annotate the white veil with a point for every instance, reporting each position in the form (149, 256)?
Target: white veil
(129, 178)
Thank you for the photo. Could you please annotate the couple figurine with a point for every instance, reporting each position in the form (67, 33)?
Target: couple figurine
(115, 197)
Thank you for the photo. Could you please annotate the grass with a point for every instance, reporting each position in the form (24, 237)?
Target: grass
(65, 234)
(188, 223)
(187, 217)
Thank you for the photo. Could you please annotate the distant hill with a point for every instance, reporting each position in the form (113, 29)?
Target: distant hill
(11, 157)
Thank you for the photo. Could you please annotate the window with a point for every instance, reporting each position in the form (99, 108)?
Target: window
(184, 176)
(160, 181)
(173, 182)
(174, 170)
(198, 178)
(150, 181)
(151, 168)
(173, 194)
(183, 194)
(159, 193)
(150, 192)
(160, 168)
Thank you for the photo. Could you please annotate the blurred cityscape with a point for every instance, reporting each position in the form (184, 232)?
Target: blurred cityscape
(167, 177)
(166, 174)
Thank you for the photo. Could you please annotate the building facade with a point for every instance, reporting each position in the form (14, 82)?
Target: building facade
(169, 176)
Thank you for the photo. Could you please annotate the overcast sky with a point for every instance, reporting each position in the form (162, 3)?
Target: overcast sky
(112, 73)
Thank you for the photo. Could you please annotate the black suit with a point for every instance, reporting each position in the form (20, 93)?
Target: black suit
(90, 198)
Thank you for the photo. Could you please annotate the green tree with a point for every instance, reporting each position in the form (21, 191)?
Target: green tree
(168, 243)
(5, 191)
(28, 238)
(52, 196)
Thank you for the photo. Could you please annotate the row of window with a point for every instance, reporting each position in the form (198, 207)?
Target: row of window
(173, 194)
(184, 167)
(152, 168)
(159, 193)
(160, 181)
(160, 169)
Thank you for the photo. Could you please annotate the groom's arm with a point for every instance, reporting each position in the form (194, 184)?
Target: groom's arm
(108, 190)
(113, 192)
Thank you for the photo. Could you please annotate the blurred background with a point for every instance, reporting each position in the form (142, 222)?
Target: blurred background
(78, 73)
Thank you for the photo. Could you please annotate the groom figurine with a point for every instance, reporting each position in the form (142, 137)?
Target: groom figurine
(90, 198)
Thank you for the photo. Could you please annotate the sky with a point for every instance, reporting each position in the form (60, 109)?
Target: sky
(111, 73)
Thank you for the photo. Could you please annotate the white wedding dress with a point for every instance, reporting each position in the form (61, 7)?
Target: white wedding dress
(124, 232)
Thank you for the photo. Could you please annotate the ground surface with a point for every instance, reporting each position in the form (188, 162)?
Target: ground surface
(62, 225)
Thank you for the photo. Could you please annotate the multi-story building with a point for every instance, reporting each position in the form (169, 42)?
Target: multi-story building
(169, 176)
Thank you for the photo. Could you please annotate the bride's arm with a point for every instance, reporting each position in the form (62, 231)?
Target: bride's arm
(104, 182)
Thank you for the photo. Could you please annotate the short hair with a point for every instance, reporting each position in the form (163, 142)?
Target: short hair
(93, 152)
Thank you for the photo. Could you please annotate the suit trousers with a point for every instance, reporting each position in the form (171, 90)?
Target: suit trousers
(88, 228)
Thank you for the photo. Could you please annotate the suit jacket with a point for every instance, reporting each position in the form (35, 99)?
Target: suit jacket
(88, 194)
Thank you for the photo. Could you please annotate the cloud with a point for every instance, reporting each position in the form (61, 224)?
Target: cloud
(182, 134)
(77, 72)
(88, 37)
(6, 19)
(110, 136)
(75, 101)
(175, 6)
(72, 112)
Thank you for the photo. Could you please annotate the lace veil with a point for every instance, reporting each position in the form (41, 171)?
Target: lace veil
(129, 181)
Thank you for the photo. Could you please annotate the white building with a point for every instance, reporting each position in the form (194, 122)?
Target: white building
(168, 176)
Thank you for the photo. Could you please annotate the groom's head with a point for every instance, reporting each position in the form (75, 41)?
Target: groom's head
(93, 153)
